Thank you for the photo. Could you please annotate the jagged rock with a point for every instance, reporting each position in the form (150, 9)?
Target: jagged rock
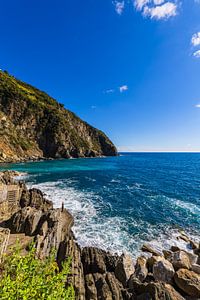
(193, 245)
(167, 253)
(192, 257)
(91, 291)
(141, 270)
(174, 248)
(115, 286)
(54, 227)
(71, 249)
(188, 282)
(35, 198)
(163, 271)
(93, 260)
(150, 249)
(152, 260)
(153, 290)
(103, 290)
(183, 237)
(24, 221)
(180, 260)
(196, 268)
(124, 268)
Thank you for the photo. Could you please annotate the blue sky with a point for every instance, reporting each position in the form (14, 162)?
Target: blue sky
(130, 68)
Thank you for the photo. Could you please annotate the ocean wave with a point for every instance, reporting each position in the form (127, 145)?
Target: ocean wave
(94, 227)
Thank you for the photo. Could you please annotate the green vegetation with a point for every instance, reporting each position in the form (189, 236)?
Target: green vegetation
(37, 125)
(28, 278)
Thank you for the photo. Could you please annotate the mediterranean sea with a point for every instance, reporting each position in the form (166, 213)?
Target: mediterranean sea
(119, 203)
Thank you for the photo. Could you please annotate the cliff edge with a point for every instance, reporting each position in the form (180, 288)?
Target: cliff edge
(33, 125)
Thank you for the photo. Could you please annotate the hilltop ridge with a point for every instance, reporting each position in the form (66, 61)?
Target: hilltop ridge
(33, 125)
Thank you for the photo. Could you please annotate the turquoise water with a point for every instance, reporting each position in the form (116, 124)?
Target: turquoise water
(120, 202)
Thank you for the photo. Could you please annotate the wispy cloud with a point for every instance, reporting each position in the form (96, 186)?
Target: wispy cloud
(197, 54)
(109, 91)
(154, 9)
(123, 88)
(119, 6)
(93, 107)
(197, 105)
(196, 39)
(164, 11)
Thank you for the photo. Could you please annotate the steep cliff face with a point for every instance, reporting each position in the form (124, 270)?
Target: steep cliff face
(33, 125)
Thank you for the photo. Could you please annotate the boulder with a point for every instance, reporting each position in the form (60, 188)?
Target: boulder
(151, 249)
(163, 271)
(188, 282)
(192, 257)
(124, 268)
(193, 244)
(175, 248)
(141, 270)
(153, 290)
(180, 260)
(196, 268)
(152, 260)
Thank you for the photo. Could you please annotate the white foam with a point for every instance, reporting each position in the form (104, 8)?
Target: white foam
(95, 227)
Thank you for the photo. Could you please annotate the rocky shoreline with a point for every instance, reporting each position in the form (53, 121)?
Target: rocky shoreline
(96, 274)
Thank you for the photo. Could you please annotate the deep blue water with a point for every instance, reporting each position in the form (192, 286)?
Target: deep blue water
(121, 202)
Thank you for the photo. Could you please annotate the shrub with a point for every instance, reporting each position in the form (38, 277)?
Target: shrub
(26, 277)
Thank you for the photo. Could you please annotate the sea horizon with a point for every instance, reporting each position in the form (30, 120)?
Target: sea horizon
(124, 201)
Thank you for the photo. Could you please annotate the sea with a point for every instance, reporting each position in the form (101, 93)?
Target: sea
(120, 203)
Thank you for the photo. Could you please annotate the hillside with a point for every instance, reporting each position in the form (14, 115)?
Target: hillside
(33, 125)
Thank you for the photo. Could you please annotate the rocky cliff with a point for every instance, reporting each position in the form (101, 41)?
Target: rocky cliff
(33, 125)
(172, 274)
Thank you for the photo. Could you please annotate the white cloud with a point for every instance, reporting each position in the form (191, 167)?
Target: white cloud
(196, 39)
(197, 54)
(110, 91)
(93, 107)
(197, 105)
(119, 6)
(163, 11)
(139, 4)
(157, 9)
(123, 88)
(158, 2)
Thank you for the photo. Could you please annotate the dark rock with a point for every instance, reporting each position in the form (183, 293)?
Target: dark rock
(93, 260)
(153, 290)
(91, 291)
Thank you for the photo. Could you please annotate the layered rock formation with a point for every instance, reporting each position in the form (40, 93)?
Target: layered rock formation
(33, 125)
(96, 274)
